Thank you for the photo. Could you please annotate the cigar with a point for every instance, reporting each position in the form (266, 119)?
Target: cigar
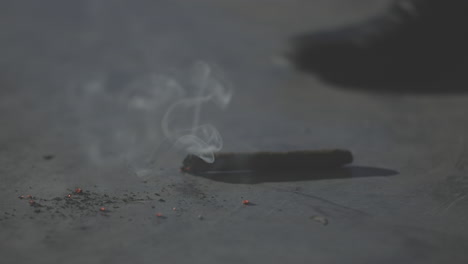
(269, 161)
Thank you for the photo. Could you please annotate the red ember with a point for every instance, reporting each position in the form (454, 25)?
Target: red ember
(78, 190)
(102, 209)
(246, 202)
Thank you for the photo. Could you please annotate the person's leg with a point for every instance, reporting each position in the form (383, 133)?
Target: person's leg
(408, 42)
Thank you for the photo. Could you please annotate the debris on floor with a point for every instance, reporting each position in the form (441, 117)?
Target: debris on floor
(160, 215)
(79, 203)
(320, 219)
(48, 157)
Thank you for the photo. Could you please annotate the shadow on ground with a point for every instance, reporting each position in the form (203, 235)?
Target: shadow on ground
(249, 177)
(424, 55)
(385, 71)
(453, 81)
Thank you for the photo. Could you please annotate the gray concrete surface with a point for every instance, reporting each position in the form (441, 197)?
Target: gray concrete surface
(90, 81)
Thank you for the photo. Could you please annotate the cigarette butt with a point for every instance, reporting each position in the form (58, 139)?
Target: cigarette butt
(269, 161)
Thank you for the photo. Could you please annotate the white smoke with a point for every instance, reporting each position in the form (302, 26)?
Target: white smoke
(139, 119)
(202, 140)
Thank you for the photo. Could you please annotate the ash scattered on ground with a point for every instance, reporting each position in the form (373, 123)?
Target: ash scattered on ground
(81, 203)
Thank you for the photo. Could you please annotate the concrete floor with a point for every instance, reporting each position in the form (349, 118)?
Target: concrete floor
(89, 82)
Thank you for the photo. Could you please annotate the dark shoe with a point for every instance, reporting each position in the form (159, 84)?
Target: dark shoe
(414, 40)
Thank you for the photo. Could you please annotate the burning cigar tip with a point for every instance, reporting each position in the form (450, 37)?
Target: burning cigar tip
(269, 161)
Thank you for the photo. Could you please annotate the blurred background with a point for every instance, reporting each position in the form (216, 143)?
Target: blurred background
(98, 94)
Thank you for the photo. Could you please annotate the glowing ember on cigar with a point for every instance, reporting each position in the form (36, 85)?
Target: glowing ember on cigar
(185, 169)
(269, 161)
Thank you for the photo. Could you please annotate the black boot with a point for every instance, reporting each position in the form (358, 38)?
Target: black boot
(411, 42)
